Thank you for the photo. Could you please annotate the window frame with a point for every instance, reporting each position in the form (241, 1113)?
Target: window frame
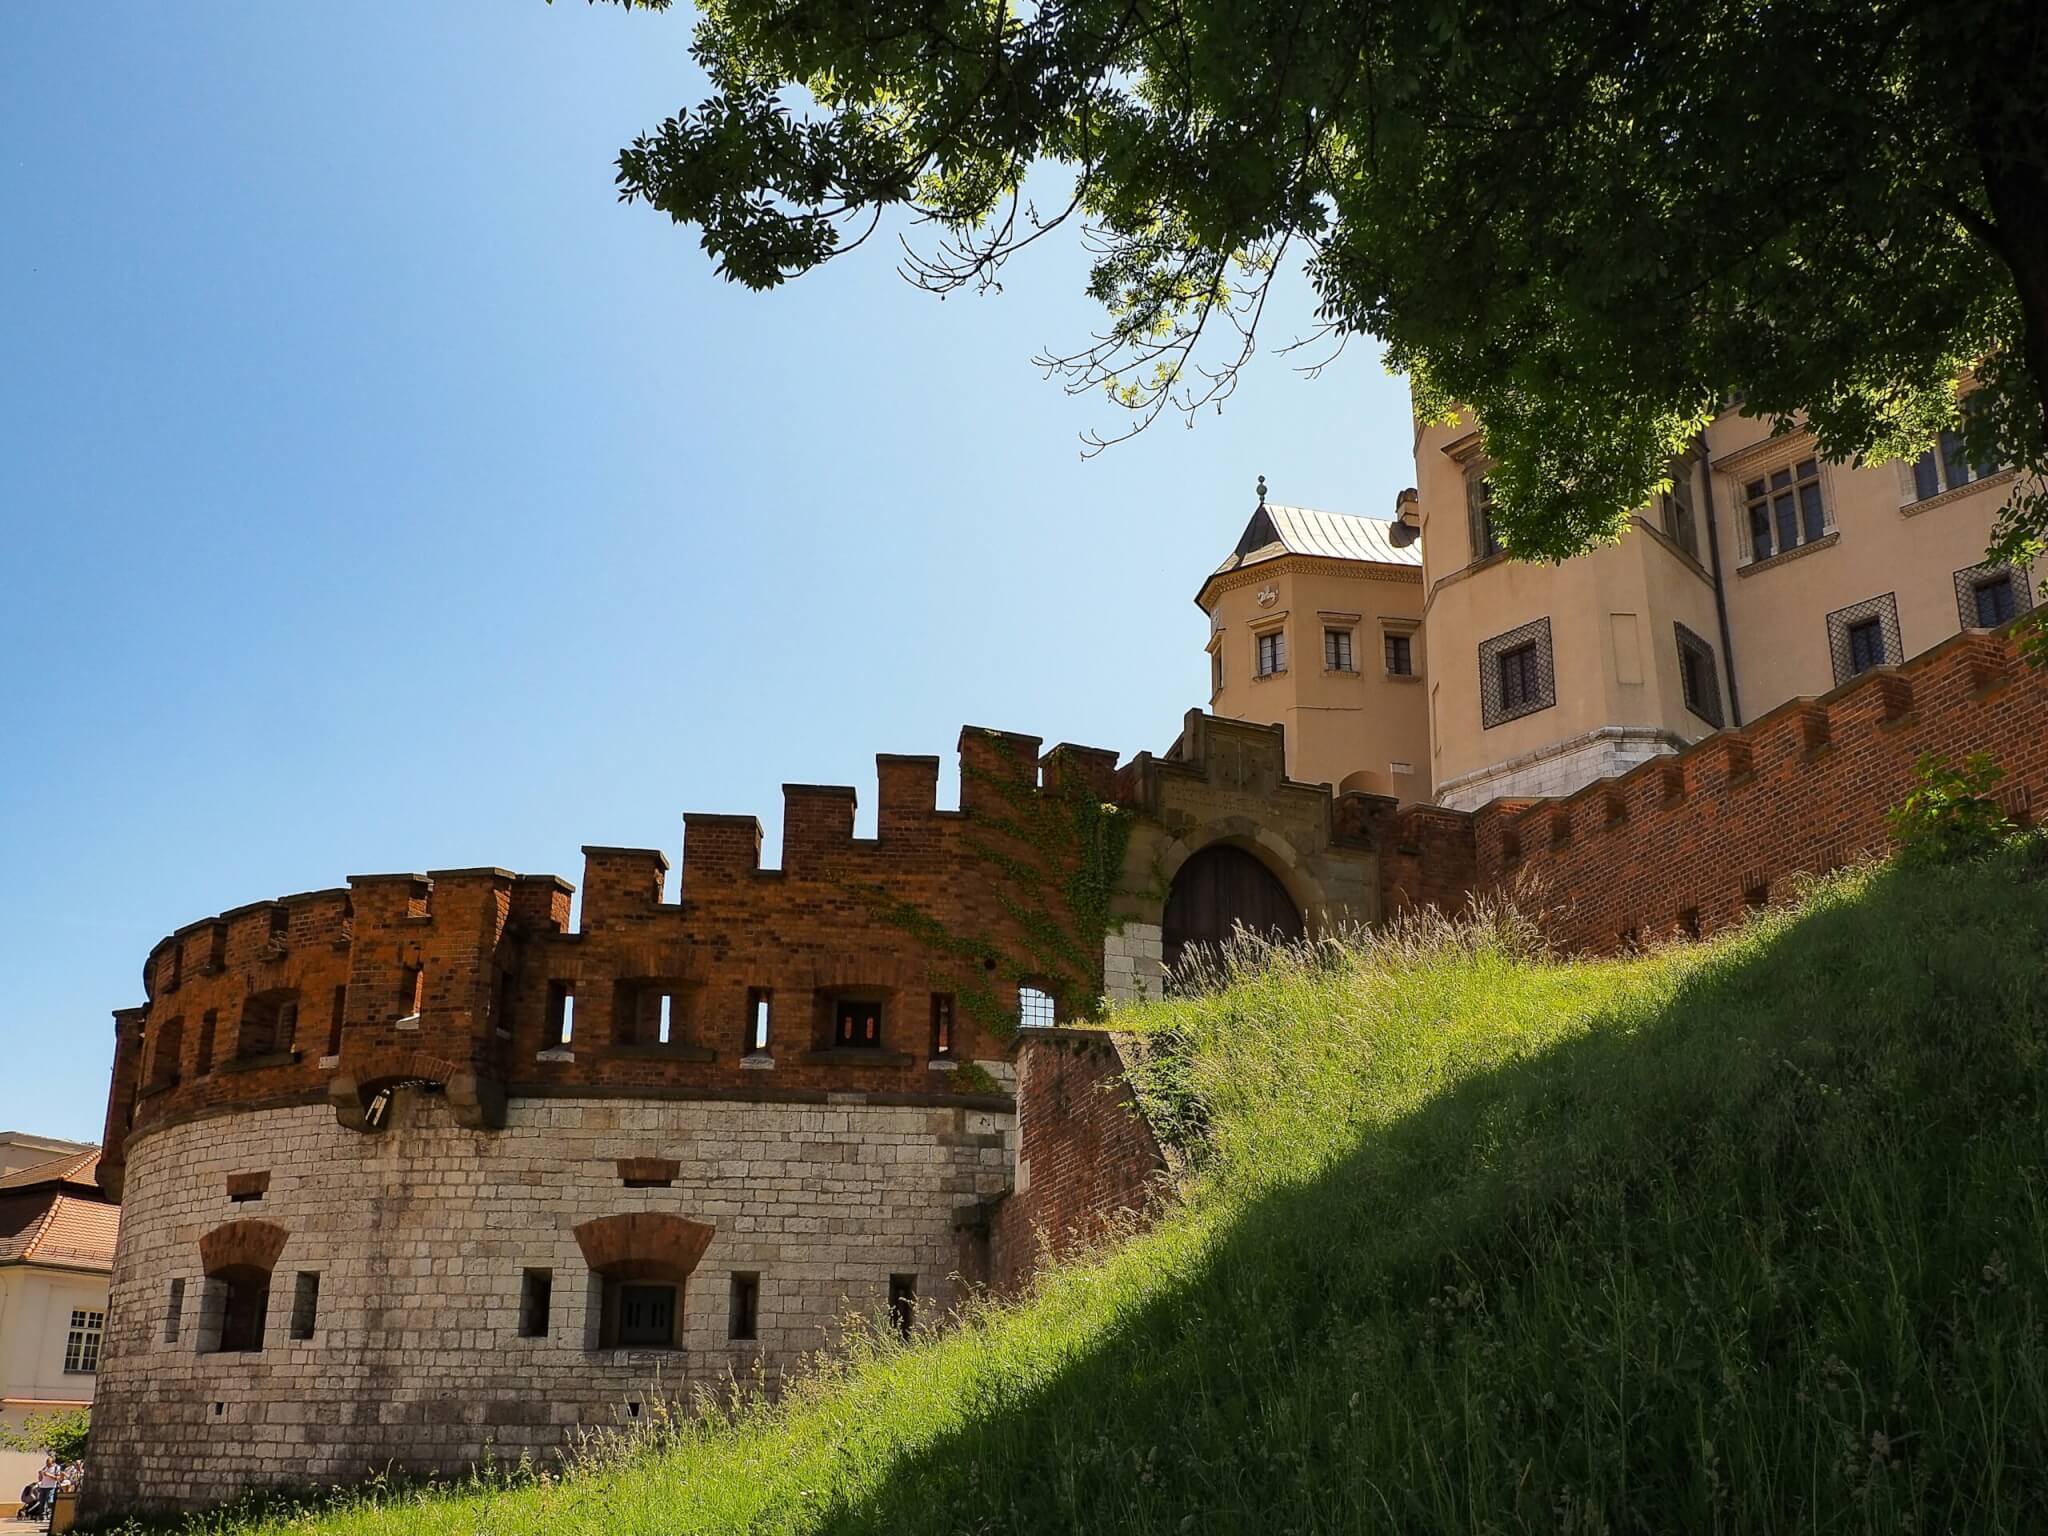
(1843, 622)
(1034, 998)
(1759, 495)
(1695, 651)
(84, 1341)
(1405, 639)
(1340, 649)
(1269, 652)
(1972, 580)
(1535, 692)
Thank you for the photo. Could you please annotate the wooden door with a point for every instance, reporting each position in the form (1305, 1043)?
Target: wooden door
(1219, 889)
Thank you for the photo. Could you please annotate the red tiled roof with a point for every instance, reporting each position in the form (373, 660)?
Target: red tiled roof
(79, 1234)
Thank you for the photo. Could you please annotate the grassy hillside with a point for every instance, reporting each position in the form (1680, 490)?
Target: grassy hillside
(1746, 1236)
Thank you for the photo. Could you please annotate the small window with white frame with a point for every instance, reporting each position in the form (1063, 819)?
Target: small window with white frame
(1272, 652)
(82, 1345)
(1215, 666)
(1337, 655)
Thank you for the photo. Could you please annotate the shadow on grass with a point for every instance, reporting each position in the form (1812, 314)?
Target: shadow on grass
(1771, 1260)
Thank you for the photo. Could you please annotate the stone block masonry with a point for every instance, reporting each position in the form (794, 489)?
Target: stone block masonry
(423, 1239)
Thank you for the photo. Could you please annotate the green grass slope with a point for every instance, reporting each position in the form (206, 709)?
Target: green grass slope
(1747, 1236)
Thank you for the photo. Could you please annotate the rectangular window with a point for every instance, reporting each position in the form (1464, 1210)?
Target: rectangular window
(1679, 522)
(287, 1031)
(1337, 650)
(412, 990)
(245, 1309)
(1697, 681)
(756, 1040)
(334, 1020)
(1036, 1009)
(164, 1054)
(742, 1317)
(209, 1022)
(1866, 646)
(174, 1311)
(1947, 467)
(857, 1024)
(1785, 509)
(280, 922)
(1995, 600)
(903, 1302)
(82, 1347)
(1518, 677)
(305, 1304)
(561, 1019)
(942, 1026)
(1272, 653)
(536, 1295)
(1400, 655)
(1479, 509)
(647, 1316)
(1216, 671)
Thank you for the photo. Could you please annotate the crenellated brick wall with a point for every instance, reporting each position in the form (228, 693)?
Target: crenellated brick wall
(461, 976)
(1686, 844)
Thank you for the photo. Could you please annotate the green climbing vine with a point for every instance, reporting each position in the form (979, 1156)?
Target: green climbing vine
(1057, 857)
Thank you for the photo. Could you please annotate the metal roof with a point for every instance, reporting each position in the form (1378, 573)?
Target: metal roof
(1275, 531)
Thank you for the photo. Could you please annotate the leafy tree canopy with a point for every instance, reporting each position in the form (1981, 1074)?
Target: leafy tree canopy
(62, 1433)
(1592, 221)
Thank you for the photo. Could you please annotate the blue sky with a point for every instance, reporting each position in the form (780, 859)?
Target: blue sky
(379, 494)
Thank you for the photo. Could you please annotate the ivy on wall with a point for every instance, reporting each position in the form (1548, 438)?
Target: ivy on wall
(1056, 857)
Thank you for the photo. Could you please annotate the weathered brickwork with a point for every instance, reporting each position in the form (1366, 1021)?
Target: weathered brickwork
(1086, 1159)
(388, 1108)
(1686, 844)
(421, 1239)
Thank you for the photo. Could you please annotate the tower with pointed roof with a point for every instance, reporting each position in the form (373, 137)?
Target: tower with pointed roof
(1315, 625)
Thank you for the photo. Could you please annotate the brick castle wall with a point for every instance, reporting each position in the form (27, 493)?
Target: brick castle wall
(1085, 1156)
(460, 976)
(1685, 845)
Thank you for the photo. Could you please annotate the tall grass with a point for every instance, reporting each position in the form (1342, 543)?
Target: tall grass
(1742, 1236)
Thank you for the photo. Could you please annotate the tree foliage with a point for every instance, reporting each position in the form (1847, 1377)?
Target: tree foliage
(1592, 221)
(62, 1433)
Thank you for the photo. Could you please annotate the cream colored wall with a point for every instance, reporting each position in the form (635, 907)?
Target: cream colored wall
(1884, 543)
(1343, 729)
(35, 1323)
(1612, 614)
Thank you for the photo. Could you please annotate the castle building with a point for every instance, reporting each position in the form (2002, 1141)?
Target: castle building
(437, 1167)
(1766, 573)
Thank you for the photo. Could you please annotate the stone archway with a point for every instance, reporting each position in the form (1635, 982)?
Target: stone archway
(1219, 889)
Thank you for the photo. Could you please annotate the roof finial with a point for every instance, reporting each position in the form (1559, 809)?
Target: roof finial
(1262, 490)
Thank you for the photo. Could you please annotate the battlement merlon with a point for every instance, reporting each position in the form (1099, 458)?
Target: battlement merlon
(817, 827)
(621, 881)
(993, 765)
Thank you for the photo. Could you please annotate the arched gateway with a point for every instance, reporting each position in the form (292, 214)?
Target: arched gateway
(1218, 890)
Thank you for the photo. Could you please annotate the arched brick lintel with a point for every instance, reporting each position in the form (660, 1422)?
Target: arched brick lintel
(643, 1245)
(242, 1245)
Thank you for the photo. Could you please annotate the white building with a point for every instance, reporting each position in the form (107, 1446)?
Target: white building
(57, 1232)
